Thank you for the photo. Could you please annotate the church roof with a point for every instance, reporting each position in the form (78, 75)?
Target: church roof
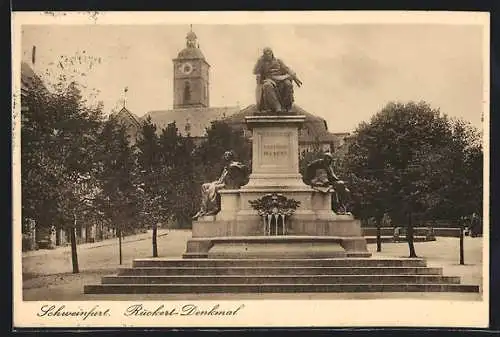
(27, 74)
(130, 121)
(28, 77)
(125, 116)
(196, 120)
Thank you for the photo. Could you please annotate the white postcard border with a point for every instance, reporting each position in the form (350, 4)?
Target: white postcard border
(307, 313)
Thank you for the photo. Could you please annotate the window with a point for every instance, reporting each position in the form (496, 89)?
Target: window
(187, 92)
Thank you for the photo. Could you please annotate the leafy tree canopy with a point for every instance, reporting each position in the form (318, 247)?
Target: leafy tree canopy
(412, 158)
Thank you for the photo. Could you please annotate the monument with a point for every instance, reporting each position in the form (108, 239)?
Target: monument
(270, 232)
(239, 230)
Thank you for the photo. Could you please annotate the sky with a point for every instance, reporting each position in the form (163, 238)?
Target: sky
(349, 72)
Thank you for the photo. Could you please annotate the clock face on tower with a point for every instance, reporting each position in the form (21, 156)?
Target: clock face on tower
(186, 68)
(191, 83)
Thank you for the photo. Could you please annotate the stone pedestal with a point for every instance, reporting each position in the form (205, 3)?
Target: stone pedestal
(275, 149)
(314, 230)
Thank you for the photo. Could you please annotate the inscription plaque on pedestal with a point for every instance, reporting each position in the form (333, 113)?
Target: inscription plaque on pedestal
(276, 150)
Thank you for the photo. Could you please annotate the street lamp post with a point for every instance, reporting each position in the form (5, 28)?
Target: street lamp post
(144, 187)
(120, 244)
(155, 224)
(461, 226)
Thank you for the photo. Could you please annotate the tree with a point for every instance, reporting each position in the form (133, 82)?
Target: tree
(58, 145)
(369, 195)
(74, 150)
(392, 161)
(459, 185)
(58, 131)
(222, 137)
(180, 179)
(39, 178)
(119, 196)
(152, 179)
(461, 163)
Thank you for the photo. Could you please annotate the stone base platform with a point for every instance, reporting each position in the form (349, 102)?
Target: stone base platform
(203, 276)
(284, 247)
(303, 223)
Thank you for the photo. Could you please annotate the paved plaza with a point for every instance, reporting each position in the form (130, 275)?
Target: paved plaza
(47, 273)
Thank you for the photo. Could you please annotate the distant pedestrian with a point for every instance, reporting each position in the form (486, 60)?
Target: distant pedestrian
(475, 226)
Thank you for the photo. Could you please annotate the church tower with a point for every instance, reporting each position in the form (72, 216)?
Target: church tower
(191, 76)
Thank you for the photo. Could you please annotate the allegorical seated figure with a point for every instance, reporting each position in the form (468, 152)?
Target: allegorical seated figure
(274, 84)
(233, 176)
(320, 175)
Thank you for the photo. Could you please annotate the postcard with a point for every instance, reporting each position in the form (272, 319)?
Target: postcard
(250, 169)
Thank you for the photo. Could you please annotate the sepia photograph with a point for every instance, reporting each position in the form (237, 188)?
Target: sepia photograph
(228, 169)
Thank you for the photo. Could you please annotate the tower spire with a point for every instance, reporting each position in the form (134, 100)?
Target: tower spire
(191, 38)
(125, 90)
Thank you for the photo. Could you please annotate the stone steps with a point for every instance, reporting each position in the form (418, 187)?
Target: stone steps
(273, 288)
(280, 279)
(214, 271)
(160, 275)
(337, 262)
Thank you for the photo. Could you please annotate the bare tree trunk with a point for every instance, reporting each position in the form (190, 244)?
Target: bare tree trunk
(379, 238)
(120, 244)
(409, 236)
(155, 235)
(461, 226)
(74, 255)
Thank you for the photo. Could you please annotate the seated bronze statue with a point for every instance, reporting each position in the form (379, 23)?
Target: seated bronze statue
(274, 84)
(233, 176)
(320, 175)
